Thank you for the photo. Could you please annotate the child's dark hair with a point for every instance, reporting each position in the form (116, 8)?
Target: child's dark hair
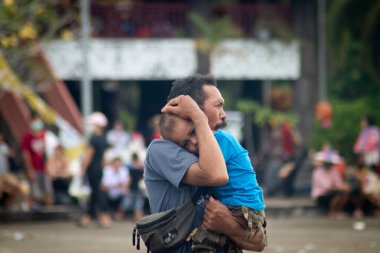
(167, 123)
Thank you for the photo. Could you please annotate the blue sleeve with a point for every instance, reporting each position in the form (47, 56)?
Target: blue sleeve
(169, 161)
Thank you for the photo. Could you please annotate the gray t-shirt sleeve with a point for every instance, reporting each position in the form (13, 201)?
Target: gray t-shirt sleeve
(169, 161)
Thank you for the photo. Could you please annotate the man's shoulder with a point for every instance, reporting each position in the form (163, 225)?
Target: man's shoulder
(161, 149)
(223, 133)
(225, 136)
(161, 145)
(163, 154)
(158, 149)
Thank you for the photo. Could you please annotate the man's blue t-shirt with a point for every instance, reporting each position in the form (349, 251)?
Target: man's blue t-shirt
(242, 188)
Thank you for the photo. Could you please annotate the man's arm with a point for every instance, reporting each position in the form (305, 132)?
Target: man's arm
(87, 157)
(28, 164)
(211, 169)
(215, 212)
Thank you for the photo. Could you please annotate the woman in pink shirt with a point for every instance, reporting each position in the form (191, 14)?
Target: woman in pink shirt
(368, 141)
(328, 189)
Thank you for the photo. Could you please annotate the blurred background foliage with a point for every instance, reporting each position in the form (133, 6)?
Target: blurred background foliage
(214, 31)
(24, 23)
(353, 33)
(344, 128)
(264, 115)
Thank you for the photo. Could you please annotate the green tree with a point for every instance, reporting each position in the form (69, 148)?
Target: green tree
(211, 31)
(344, 128)
(353, 82)
(263, 115)
(353, 53)
(24, 23)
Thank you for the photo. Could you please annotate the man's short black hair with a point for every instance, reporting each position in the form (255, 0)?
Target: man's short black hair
(192, 86)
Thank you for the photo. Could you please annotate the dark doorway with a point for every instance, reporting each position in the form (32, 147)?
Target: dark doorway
(74, 89)
(153, 98)
(253, 89)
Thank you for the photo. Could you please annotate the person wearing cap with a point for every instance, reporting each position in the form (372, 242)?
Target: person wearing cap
(92, 168)
(327, 186)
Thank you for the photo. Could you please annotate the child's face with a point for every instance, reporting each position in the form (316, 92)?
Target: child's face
(185, 136)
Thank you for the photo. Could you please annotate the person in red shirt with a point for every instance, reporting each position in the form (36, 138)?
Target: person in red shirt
(34, 155)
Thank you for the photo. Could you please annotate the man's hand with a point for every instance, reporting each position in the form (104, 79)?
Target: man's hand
(215, 212)
(184, 107)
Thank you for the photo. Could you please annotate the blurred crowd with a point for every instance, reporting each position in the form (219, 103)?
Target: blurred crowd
(337, 187)
(340, 188)
(106, 180)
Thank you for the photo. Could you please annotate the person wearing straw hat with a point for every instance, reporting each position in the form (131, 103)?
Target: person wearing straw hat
(327, 186)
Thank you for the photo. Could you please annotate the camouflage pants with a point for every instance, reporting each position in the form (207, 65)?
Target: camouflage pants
(207, 242)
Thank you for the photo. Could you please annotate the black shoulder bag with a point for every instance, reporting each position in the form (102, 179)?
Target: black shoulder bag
(166, 230)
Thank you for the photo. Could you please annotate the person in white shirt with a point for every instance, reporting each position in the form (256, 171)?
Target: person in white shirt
(11, 187)
(4, 155)
(117, 137)
(115, 183)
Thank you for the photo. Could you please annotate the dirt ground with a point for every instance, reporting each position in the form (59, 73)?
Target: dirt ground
(286, 235)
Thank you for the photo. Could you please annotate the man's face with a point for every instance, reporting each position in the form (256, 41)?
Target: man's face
(184, 135)
(213, 108)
